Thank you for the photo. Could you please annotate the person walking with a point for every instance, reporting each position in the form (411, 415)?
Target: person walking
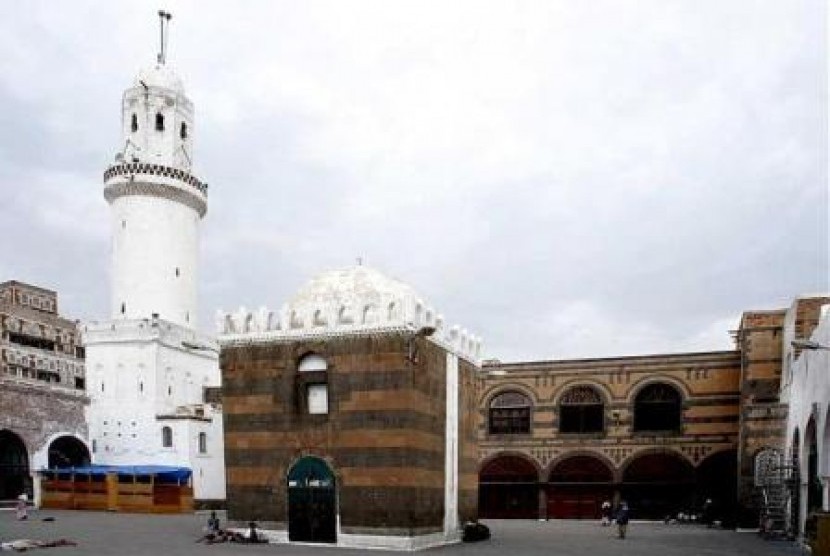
(22, 507)
(213, 523)
(622, 519)
(708, 513)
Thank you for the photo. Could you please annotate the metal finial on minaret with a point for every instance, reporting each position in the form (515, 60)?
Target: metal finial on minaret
(163, 17)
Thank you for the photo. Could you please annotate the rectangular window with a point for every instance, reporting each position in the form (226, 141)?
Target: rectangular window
(318, 399)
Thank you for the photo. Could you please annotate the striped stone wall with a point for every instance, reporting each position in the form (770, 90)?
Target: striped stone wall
(383, 437)
(709, 383)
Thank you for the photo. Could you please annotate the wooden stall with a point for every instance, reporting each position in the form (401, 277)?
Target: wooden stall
(153, 489)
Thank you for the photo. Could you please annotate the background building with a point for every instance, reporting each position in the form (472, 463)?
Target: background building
(665, 432)
(350, 416)
(557, 438)
(806, 390)
(148, 367)
(42, 381)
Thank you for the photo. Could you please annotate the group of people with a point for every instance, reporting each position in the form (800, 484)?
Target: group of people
(215, 534)
(620, 516)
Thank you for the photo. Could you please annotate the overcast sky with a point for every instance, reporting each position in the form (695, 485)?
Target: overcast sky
(565, 179)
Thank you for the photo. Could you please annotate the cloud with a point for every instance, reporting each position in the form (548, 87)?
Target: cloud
(563, 178)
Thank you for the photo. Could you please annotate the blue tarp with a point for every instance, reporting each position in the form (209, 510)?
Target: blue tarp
(166, 473)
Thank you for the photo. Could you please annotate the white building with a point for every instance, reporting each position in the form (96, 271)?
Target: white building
(148, 368)
(807, 390)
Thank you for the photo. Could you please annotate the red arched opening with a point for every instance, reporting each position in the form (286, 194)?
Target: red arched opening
(577, 486)
(14, 466)
(508, 489)
(657, 485)
(716, 479)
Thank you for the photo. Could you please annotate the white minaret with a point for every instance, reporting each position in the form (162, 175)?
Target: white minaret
(156, 202)
(150, 372)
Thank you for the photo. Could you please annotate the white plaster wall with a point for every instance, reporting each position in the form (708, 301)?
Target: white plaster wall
(148, 144)
(132, 365)
(809, 395)
(451, 524)
(153, 238)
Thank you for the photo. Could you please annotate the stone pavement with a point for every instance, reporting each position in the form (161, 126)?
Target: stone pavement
(132, 534)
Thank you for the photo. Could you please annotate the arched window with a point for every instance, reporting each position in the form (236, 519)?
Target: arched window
(166, 437)
(159, 121)
(657, 408)
(183, 131)
(581, 411)
(202, 443)
(509, 413)
(312, 362)
(134, 123)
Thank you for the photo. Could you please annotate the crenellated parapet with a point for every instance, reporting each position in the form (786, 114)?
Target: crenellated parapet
(345, 302)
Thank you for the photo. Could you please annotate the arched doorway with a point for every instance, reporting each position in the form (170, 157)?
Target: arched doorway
(311, 502)
(14, 466)
(658, 484)
(716, 479)
(811, 452)
(577, 486)
(68, 451)
(508, 489)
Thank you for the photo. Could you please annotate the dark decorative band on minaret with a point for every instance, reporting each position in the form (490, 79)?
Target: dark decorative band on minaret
(133, 168)
(155, 180)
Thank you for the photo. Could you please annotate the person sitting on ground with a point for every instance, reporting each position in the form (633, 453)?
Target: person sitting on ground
(605, 510)
(253, 535)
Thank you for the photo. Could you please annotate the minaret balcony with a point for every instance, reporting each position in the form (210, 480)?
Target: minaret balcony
(142, 178)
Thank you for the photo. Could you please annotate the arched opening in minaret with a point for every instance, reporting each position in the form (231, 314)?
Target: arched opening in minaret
(183, 131)
(159, 122)
(134, 123)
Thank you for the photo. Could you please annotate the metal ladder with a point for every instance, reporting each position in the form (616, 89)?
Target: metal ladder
(777, 479)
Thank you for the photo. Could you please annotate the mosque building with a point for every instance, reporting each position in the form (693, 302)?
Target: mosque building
(354, 415)
(350, 416)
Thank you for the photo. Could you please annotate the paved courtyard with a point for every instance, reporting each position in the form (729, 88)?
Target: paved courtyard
(128, 534)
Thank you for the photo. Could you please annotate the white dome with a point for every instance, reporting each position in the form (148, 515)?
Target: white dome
(347, 301)
(161, 76)
(354, 289)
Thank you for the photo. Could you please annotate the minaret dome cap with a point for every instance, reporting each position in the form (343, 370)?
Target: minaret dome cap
(159, 75)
